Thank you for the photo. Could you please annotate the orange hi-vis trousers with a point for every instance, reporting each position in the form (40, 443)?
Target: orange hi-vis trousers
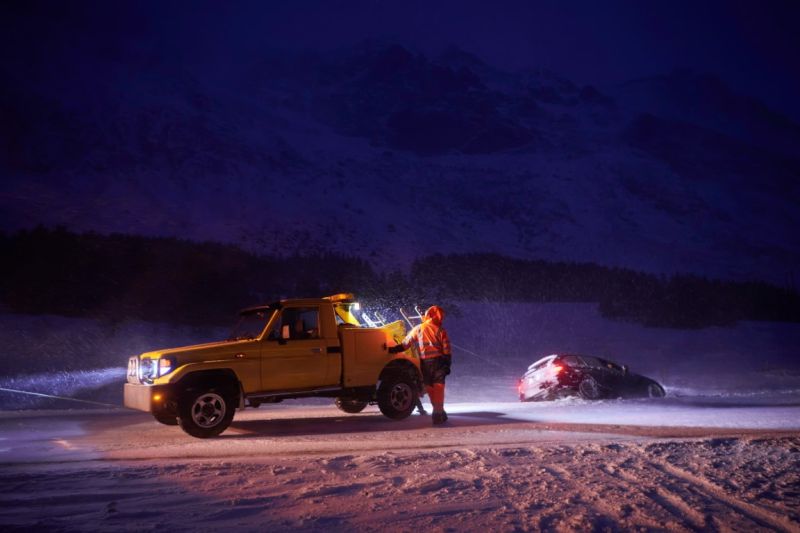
(436, 394)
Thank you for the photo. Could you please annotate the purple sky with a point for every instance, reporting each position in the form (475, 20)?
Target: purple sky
(753, 45)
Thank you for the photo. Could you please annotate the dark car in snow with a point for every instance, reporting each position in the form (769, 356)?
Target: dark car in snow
(591, 378)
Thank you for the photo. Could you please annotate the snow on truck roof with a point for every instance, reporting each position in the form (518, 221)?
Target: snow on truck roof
(343, 298)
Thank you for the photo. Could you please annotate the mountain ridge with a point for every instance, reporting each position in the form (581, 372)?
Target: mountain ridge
(402, 156)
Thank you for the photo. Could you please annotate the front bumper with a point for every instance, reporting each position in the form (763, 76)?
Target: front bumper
(149, 398)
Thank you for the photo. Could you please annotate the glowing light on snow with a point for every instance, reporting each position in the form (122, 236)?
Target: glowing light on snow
(61, 385)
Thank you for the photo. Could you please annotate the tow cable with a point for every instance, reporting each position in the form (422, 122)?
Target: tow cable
(41, 395)
(411, 320)
(484, 359)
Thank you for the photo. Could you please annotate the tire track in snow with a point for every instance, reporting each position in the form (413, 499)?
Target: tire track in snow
(395, 517)
(575, 495)
(521, 497)
(758, 515)
(673, 504)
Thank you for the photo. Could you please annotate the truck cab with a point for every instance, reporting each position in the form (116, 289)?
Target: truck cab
(296, 348)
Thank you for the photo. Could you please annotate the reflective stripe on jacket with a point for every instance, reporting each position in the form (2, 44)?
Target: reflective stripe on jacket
(431, 340)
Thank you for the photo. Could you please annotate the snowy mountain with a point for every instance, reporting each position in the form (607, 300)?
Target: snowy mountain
(382, 152)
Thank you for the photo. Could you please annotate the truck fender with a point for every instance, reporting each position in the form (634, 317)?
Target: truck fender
(401, 366)
(223, 378)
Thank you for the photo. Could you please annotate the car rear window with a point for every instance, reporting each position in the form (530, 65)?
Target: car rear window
(541, 363)
(572, 361)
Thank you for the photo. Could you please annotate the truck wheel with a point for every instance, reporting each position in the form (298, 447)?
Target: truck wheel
(349, 405)
(205, 414)
(167, 420)
(397, 396)
(654, 390)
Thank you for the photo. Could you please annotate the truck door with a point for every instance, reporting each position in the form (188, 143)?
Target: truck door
(294, 355)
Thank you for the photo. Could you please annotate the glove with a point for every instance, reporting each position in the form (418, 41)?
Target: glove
(397, 349)
(447, 360)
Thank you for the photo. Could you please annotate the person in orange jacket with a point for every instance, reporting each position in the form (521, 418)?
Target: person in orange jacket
(435, 357)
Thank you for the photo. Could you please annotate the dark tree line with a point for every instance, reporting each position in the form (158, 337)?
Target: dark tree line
(684, 301)
(48, 271)
(55, 271)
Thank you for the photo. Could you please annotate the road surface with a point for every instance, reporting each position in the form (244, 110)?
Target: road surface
(680, 464)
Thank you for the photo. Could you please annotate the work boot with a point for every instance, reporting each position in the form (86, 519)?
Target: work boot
(422, 411)
(439, 418)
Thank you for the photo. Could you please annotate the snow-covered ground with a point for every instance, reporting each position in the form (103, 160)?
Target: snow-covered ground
(498, 467)
(720, 452)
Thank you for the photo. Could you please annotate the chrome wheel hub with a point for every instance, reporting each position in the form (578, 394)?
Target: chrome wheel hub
(401, 396)
(208, 410)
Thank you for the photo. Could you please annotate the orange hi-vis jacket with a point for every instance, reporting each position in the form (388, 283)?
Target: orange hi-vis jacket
(431, 340)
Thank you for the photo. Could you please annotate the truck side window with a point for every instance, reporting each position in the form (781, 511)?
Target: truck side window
(302, 322)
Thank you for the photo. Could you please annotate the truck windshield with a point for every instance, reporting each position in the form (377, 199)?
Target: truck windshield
(250, 325)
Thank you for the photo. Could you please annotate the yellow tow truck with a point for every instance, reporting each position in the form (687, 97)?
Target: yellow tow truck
(300, 348)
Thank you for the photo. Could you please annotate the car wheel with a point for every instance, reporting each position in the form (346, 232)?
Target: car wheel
(654, 390)
(397, 396)
(205, 414)
(167, 420)
(348, 405)
(589, 389)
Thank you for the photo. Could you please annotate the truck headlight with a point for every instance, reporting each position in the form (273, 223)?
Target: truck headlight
(150, 369)
(166, 365)
(147, 370)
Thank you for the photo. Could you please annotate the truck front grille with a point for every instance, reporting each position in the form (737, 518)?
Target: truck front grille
(133, 369)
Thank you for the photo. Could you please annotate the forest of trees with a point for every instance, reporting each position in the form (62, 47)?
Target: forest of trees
(160, 279)
(55, 271)
(683, 301)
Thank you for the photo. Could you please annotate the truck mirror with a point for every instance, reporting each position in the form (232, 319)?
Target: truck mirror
(285, 332)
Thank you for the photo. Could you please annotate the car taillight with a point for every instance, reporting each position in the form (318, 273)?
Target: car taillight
(557, 369)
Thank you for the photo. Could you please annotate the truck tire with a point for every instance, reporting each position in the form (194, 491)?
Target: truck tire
(397, 396)
(348, 405)
(205, 414)
(167, 420)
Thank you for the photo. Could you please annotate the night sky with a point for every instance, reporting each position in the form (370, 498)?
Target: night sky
(752, 45)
